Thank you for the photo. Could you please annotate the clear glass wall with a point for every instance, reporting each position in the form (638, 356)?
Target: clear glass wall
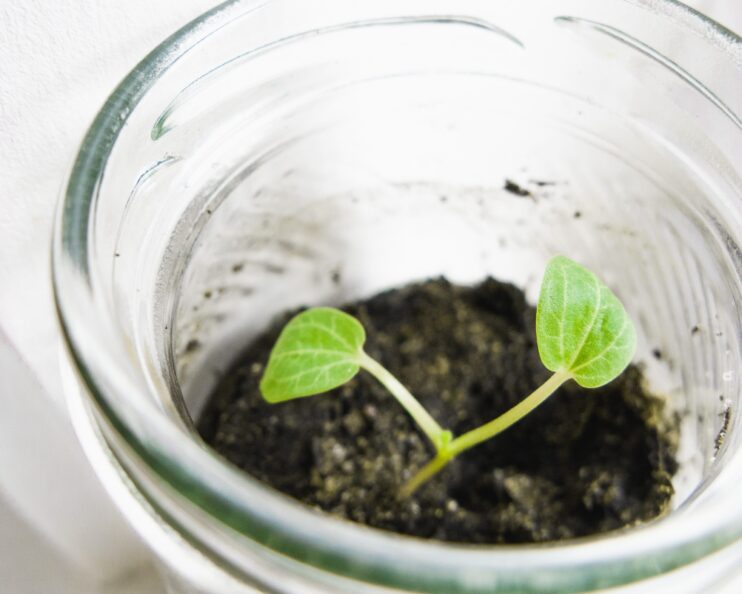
(276, 154)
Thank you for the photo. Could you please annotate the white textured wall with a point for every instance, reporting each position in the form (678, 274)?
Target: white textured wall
(58, 62)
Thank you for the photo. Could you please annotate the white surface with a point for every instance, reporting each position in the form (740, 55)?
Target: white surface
(54, 55)
(58, 62)
(30, 565)
(46, 478)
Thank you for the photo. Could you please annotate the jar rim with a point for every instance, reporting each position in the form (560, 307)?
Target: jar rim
(270, 518)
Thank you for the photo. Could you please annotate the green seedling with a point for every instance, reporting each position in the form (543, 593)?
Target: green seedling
(582, 330)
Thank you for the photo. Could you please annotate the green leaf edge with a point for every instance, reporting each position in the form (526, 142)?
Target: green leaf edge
(354, 359)
(585, 380)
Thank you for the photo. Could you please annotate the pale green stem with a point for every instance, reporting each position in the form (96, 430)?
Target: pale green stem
(425, 474)
(428, 424)
(486, 431)
(509, 417)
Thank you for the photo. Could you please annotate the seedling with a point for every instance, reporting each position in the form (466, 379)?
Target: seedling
(582, 330)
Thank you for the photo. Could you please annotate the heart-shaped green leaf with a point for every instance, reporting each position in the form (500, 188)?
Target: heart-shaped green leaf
(581, 326)
(318, 350)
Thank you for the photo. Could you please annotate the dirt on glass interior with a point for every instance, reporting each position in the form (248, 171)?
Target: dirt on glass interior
(585, 462)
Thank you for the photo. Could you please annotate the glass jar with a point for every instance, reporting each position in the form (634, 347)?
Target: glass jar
(281, 153)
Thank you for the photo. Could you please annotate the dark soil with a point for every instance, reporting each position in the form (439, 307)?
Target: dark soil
(585, 462)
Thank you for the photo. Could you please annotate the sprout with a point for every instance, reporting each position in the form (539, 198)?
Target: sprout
(582, 330)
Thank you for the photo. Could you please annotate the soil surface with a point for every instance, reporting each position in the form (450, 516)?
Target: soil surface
(585, 462)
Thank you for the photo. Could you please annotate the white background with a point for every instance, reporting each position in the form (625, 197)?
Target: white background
(58, 62)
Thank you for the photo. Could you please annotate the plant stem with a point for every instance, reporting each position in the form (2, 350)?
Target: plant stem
(425, 474)
(486, 431)
(428, 424)
(509, 417)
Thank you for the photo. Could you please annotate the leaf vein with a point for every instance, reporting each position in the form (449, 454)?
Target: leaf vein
(325, 329)
(310, 351)
(323, 368)
(563, 317)
(601, 354)
(591, 325)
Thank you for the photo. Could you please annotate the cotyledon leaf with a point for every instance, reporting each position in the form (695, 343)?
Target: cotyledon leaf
(581, 326)
(318, 350)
